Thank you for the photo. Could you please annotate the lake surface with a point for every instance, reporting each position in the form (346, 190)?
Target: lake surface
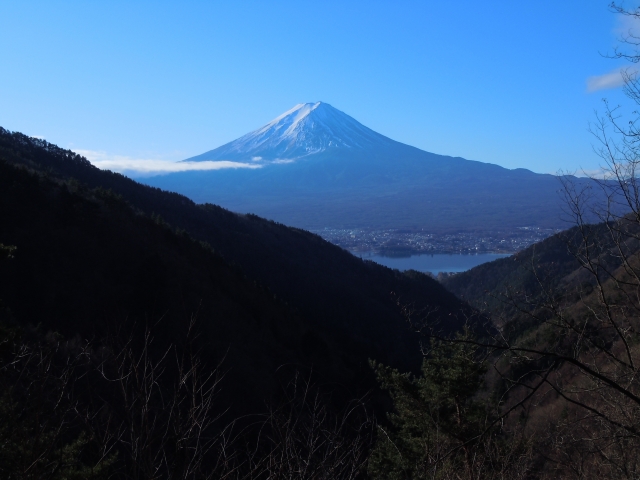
(438, 262)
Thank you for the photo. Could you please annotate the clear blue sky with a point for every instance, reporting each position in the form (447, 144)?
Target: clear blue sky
(495, 81)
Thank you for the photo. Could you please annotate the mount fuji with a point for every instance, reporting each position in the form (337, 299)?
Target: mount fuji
(305, 130)
(317, 167)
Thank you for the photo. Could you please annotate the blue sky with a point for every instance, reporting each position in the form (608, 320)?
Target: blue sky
(494, 81)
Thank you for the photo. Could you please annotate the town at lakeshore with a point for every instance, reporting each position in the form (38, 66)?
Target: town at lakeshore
(405, 242)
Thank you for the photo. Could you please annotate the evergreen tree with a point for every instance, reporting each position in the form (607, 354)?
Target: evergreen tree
(436, 429)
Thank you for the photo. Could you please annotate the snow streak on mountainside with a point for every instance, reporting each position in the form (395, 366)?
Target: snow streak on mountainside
(306, 129)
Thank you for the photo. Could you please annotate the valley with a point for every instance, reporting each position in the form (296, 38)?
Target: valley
(100, 273)
(208, 272)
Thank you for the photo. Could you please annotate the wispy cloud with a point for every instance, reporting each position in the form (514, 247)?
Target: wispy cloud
(280, 161)
(613, 79)
(146, 167)
(627, 27)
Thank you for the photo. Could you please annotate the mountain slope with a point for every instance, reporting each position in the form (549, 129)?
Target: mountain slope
(350, 303)
(88, 265)
(568, 314)
(526, 277)
(321, 168)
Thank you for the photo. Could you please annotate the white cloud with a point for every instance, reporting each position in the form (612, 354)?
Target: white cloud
(280, 161)
(613, 79)
(627, 27)
(146, 167)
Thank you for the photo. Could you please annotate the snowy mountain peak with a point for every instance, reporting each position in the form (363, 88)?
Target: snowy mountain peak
(304, 130)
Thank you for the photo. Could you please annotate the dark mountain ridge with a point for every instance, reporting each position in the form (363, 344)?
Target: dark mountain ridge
(93, 241)
(527, 276)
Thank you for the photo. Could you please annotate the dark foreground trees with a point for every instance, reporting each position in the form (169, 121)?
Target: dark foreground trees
(564, 348)
(128, 410)
(442, 426)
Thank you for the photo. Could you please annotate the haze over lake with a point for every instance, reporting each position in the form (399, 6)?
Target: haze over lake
(434, 263)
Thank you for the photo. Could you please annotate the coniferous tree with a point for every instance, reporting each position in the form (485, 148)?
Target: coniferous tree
(438, 424)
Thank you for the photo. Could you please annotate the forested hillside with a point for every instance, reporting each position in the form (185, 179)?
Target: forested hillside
(566, 351)
(120, 299)
(490, 285)
(338, 293)
(146, 336)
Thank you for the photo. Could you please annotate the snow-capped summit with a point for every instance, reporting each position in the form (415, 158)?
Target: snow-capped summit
(306, 129)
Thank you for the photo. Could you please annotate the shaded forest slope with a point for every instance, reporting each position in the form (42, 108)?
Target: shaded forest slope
(96, 248)
(567, 312)
(549, 265)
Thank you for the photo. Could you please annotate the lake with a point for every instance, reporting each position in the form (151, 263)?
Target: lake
(434, 263)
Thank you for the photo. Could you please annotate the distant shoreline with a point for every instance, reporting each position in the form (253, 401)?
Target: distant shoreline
(413, 253)
(433, 264)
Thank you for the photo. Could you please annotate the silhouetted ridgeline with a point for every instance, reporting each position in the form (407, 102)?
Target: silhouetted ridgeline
(95, 247)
